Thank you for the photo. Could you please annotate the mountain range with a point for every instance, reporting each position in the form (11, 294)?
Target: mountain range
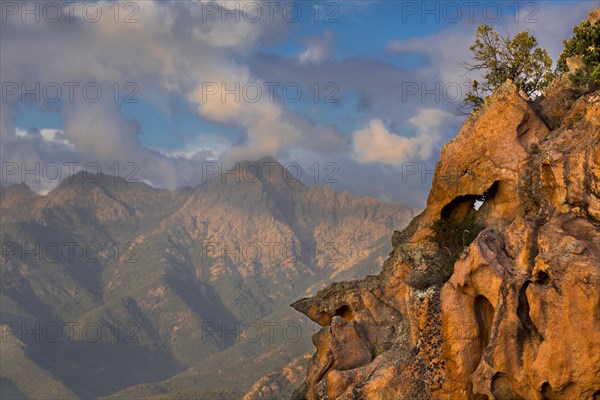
(111, 288)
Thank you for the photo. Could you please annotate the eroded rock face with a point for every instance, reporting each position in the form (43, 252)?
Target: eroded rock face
(519, 317)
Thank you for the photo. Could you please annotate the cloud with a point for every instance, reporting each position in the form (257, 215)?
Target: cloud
(270, 126)
(175, 48)
(172, 49)
(375, 143)
(317, 49)
(49, 136)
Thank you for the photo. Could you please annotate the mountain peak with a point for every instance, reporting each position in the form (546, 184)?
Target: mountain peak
(84, 180)
(16, 191)
(20, 187)
(266, 170)
(269, 159)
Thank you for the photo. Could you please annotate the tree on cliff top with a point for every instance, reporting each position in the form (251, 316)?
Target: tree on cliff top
(585, 43)
(500, 58)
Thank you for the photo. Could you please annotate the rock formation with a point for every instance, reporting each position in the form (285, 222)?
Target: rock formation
(519, 316)
(279, 385)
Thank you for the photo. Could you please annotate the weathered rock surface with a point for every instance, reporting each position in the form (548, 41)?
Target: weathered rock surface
(519, 317)
(277, 385)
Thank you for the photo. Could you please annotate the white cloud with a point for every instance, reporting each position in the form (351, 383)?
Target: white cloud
(375, 143)
(270, 126)
(56, 136)
(317, 49)
(48, 136)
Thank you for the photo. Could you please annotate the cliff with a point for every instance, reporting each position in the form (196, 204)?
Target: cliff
(493, 292)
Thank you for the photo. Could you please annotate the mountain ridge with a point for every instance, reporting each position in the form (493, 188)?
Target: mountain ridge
(165, 266)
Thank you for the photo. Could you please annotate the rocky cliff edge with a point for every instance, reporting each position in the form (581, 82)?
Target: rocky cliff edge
(517, 316)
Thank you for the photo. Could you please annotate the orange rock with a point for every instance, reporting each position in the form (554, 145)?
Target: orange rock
(519, 317)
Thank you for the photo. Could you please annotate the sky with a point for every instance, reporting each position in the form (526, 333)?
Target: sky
(358, 95)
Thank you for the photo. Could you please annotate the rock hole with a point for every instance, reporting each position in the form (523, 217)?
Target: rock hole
(464, 206)
(548, 393)
(345, 312)
(527, 330)
(596, 396)
(542, 278)
(475, 396)
(502, 388)
(478, 203)
(549, 185)
(459, 208)
(488, 194)
(324, 319)
(484, 314)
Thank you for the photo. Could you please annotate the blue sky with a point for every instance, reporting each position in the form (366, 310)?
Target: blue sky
(375, 80)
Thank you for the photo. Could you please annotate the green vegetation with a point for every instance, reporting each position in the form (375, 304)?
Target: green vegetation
(584, 43)
(452, 238)
(500, 58)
